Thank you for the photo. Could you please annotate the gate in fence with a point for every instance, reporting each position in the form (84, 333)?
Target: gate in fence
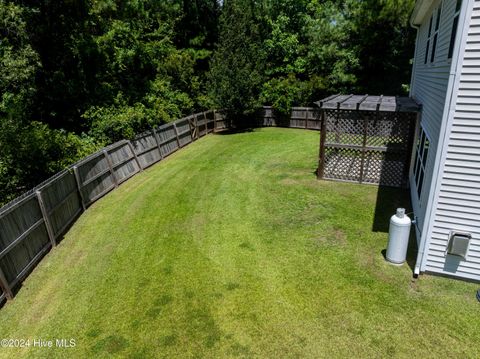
(367, 139)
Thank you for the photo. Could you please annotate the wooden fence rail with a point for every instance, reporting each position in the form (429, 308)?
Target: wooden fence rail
(34, 223)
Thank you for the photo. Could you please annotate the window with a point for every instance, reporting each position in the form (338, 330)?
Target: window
(453, 35)
(421, 156)
(432, 36)
(435, 34)
(428, 39)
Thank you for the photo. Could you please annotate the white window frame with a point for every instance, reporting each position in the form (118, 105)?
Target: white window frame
(453, 34)
(432, 36)
(429, 35)
(422, 150)
(436, 30)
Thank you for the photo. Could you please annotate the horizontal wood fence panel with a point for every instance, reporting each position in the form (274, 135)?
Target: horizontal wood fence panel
(92, 167)
(119, 153)
(23, 238)
(184, 131)
(146, 149)
(98, 187)
(123, 161)
(201, 124)
(210, 118)
(168, 139)
(95, 177)
(125, 171)
(62, 201)
(184, 138)
(18, 219)
(24, 255)
(182, 125)
(220, 121)
(300, 117)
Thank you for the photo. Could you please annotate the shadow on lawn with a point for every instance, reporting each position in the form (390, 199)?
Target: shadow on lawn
(234, 131)
(388, 200)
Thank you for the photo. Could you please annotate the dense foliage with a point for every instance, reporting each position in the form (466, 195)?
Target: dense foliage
(77, 74)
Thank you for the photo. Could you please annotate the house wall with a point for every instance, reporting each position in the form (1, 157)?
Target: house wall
(456, 202)
(429, 87)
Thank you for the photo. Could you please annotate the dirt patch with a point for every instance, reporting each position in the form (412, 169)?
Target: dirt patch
(339, 236)
(334, 237)
(289, 181)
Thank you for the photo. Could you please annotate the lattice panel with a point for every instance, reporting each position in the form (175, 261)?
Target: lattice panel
(388, 129)
(344, 127)
(385, 168)
(367, 146)
(342, 164)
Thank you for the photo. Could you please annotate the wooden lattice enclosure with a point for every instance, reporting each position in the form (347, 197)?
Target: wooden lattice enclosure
(367, 139)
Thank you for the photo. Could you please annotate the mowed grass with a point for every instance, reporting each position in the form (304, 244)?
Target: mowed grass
(232, 248)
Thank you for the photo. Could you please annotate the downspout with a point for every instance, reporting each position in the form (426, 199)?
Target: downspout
(447, 120)
(416, 271)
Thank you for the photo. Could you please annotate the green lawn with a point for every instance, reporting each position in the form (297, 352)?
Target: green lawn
(232, 248)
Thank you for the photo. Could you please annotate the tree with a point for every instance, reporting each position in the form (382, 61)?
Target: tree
(385, 44)
(236, 68)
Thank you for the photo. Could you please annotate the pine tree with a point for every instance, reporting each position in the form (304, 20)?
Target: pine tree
(235, 74)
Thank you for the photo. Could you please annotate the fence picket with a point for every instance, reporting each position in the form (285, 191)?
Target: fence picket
(79, 188)
(110, 166)
(46, 219)
(140, 167)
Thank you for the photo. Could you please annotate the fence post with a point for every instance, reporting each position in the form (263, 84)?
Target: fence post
(196, 127)
(135, 155)
(191, 127)
(323, 137)
(79, 186)
(5, 286)
(110, 166)
(205, 122)
(46, 220)
(176, 134)
(155, 134)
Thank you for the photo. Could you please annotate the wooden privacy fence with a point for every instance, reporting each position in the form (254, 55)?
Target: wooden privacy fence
(300, 117)
(34, 223)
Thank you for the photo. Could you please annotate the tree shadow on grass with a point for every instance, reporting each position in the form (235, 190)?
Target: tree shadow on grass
(234, 131)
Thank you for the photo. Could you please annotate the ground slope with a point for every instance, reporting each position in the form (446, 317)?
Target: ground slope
(231, 247)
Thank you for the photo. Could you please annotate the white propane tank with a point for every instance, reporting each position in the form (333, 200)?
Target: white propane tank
(398, 235)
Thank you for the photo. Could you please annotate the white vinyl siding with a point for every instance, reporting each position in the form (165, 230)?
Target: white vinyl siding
(429, 87)
(457, 204)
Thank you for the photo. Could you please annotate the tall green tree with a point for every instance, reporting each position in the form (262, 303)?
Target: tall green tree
(385, 44)
(237, 64)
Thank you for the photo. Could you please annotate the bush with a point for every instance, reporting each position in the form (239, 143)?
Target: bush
(285, 92)
(31, 153)
(111, 124)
